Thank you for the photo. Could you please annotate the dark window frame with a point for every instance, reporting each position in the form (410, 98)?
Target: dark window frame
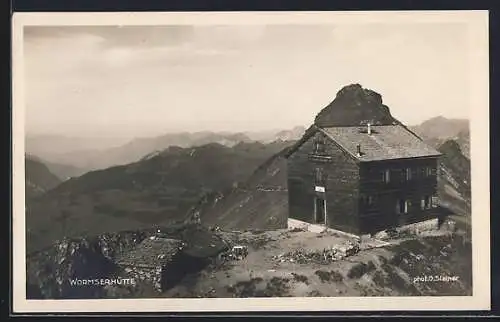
(426, 202)
(368, 201)
(405, 204)
(435, 201)
(429, 171)
(319, 145)
(408, 174)
(319, 176)
(386, 176)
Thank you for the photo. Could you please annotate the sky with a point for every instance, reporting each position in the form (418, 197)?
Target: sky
(130, 81)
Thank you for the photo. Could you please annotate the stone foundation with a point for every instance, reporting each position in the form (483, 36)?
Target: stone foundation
(415, 228)
(315, 228)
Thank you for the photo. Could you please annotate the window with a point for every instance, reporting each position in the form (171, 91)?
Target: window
(368, 200)
(402, 206)
(434, 201)
(407, 174)
(318, 175)
(319, 145)
(428, 171)
(386, 176)
(426, 202)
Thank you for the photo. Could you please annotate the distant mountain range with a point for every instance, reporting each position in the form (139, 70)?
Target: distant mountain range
(61, 171)
(83, 156)
(441, 127)
(438, 130)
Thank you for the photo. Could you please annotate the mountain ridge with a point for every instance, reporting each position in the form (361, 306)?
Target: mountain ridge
(88, 158)
(157, 190)
(437, 130)
(38, 177)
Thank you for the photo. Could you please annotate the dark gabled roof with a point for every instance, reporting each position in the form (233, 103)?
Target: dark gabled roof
(201, 243)
(386, 142)
(151, 252)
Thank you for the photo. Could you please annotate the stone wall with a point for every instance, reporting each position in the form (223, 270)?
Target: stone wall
(415, 228)
(150, 275)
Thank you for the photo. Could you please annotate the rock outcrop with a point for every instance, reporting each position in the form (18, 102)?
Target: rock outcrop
(455, 168)
(50, 272)
(355, 105)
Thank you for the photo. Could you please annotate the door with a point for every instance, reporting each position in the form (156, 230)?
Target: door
(401, 211)
(320, 211)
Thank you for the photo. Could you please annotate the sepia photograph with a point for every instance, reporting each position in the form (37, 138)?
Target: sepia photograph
(253, 158)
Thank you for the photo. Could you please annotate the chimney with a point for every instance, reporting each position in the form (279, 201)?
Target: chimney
(359, 149)
(369, 129)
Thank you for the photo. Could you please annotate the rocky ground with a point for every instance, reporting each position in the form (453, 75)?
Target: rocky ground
(279, 263)
(270, 271)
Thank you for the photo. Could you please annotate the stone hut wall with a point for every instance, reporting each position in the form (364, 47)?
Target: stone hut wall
(150, 275)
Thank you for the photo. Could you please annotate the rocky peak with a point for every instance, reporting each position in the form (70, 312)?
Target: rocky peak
(355, 105)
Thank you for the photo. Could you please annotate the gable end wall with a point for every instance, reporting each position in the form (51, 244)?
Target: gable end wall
(341, 185)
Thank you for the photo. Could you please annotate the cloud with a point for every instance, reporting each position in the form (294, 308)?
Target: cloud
(236, 77)
(116, 36)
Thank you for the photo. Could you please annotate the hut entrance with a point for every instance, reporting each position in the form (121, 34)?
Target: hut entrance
(319, 211)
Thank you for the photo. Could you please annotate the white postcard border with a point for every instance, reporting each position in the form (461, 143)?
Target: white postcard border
(479, 122)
